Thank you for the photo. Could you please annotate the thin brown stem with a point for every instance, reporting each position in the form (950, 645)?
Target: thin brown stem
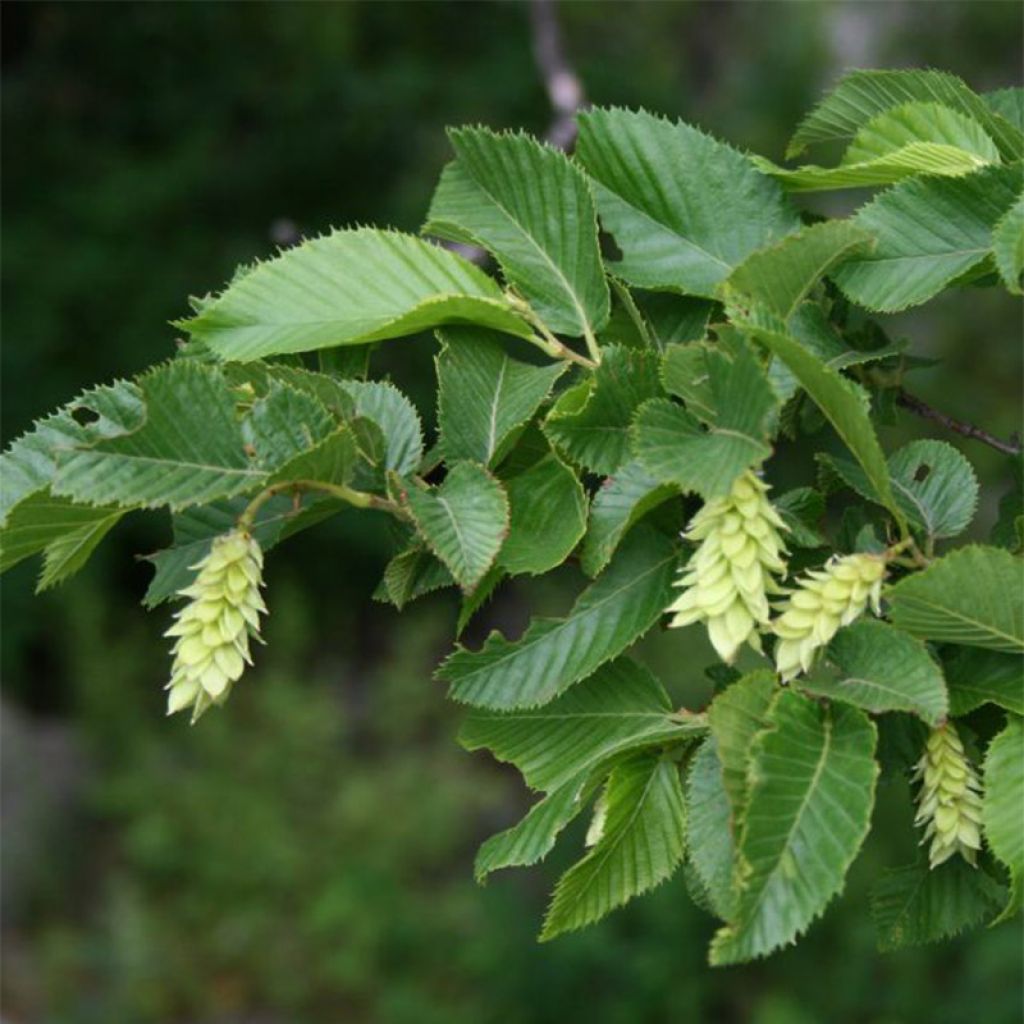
(921, 408)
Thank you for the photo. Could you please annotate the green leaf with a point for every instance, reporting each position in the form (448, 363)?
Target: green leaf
(641, 846)
(1008, 247)
(67, 534)
(934, 486)
(780, 276)
(973, 596)
(591, 425)
(1008, 104)
(532, 839)
(411, 574)
(621, 707)
(845, 405)
(803, 511)
(862, 95)
(1001, 813)
(684, 208)
(620, 502)
(173, 457)
(530, 206)
(547, 517)
(29, 465)
(67, 554)
(348, 288)
(483, 395)
(463, 521)
(976, 676)
(710, 829)
(915, 905)
(812, 783)
(330, 461)
(735, 717)
(675, 449)
(809, 325)
(882, 669)
(553, 654)
(481, 594)
(929, 232)
(904, 141)
(386, 406)
(674, 319)
(285, 422)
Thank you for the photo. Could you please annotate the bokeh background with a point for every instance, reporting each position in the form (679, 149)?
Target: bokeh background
(306, 855)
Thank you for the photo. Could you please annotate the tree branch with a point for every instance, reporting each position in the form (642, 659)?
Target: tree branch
(921, 408)
(565, 90)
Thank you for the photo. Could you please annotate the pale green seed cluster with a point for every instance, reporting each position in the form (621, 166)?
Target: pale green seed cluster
(726, 582)
(213, 629)
(949, 802)
(823, 601)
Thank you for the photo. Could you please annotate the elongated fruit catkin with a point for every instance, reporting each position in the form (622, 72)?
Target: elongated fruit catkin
(726, 582)
(212, 631)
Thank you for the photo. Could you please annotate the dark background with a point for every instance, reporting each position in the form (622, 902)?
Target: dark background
(305, 856)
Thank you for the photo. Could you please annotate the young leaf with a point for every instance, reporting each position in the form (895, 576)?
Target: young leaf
(709, 832)
(532, 839)
(463, 521)
(862, 95)
(547, 517)
(684, 208)
(620, 502)
(973, 596)
(348, 288)
(66, 533)
(285, 422)
(483, 395)
(411, 574)
(674, 447)
(1008, 247)
(592, 426)
(976, 676)
(812, 788)
(844, 404)
(1001, 813)
(553, 654)
(330, 461)
(621, 707)
(641, 845)
(173, 457)
(928, 231)
(915, 905)
(902, 142)
(530, 206)
(1008, 104)
(780, 276)
(397, 418)
(933, 484)
(883, 669)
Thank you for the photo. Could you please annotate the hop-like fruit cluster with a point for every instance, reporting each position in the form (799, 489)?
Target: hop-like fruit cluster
(727, 580)
(823, 601)
(949, 801)
(213, 629)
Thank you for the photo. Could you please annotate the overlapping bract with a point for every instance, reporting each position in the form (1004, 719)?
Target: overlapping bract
(727, 581)
(212, 631)
(949, 801)
(823, 601)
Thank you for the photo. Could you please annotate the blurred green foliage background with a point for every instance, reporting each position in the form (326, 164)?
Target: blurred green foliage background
(306, 855)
